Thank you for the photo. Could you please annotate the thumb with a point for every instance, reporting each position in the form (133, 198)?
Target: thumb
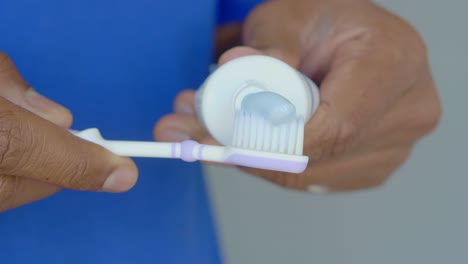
(237, 52)
(265, 30)
(242, 51)
(276, 52)
(15, 89)
(35, 149)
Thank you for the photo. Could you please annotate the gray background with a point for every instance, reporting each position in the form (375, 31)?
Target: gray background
(419, 216)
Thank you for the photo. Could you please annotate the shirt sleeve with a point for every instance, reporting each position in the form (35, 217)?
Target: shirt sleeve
(231, 11)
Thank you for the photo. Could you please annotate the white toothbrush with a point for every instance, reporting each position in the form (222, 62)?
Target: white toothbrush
(255, 106)
(191, 151)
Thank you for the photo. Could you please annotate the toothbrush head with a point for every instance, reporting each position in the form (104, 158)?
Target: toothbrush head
(255, 132)
(267, 160)
(261, 143)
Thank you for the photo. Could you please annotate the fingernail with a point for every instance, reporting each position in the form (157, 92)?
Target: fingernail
(40, 102)
(317, 189)
(120, 180)
(175, 135)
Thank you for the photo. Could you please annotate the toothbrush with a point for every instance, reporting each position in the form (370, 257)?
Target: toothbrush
(191, 151)
(255, 106)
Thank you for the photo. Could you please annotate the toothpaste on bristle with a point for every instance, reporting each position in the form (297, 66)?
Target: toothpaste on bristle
(269, 105)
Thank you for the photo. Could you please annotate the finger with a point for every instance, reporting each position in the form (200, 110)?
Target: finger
(16, 191)
(238, 52)
(33, 148)
(364, 72)
(361, 172)
(17, 91)
(179, 127)
(364, 171)
(355, 94)
(272, 36)
(416, 114)
(185, 103)
(227, 36)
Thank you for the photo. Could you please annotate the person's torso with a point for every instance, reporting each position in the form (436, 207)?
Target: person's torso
(117, 65)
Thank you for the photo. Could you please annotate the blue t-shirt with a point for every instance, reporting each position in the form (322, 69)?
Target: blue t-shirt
(117, 65)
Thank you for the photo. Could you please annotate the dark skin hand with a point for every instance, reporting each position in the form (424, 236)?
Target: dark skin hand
(378, 97)
(39, 157)
(377, 100)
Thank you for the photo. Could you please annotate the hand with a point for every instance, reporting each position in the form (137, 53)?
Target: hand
(38, 156)
(377, 94)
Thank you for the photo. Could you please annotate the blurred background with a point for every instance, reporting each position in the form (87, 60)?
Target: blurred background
(419, 216)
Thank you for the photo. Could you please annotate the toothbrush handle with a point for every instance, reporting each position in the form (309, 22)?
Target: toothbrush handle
(141, 149)
(187, 150)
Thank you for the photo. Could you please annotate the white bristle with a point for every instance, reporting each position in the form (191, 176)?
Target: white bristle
(300, 135)
(253, 134)
(252, 131)
(274, 139)
(245, 120)
(291, 139)
(259, 134)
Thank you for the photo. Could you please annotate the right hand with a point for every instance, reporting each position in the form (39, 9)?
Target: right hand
(38, 156)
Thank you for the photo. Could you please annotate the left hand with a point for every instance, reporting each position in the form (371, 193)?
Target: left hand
(378, 97)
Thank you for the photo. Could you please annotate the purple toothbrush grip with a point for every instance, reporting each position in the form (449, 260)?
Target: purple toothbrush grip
(267, 163)
(187, 148)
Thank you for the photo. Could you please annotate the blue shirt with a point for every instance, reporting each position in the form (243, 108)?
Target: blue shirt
(117, 65)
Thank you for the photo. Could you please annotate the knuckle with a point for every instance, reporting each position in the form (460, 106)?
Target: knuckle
(8, 187)
(4, 59)
(337, 135)
(420, 50)
(423, 109)
(392, 162)
(427, 119)
(415, 49)
(259, 9)
(280, 179)
(257, 19)
(286, 180)
(363, 182)
(6, 63)
(432, 121)
(344, 138)
(338, 139)
(407, 52)
(11, 141)
(410, 47)
(368, 178)
(76, 176)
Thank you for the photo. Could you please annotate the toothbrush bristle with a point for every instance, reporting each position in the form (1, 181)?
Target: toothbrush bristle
(252, 131)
